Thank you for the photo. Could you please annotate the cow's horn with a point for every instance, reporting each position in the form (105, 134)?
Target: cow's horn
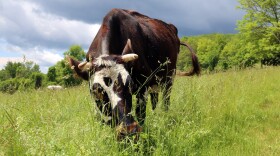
(129, 57)
(84, 66)
(127, 49)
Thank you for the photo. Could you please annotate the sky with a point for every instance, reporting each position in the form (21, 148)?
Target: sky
(42, 30)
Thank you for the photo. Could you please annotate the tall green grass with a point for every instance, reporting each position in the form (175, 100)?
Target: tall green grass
(230, 113)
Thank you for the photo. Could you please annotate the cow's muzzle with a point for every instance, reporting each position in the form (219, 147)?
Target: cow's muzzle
(133, 130)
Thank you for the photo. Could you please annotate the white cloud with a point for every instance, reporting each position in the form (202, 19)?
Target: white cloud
(42, 30)
(43, 57)
(41, 37)
(189, 16)
(28, 26)
(4, 60)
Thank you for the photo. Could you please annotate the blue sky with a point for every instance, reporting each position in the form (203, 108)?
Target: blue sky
(43, 29)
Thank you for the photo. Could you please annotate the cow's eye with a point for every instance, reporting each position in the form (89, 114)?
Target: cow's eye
(107, 81)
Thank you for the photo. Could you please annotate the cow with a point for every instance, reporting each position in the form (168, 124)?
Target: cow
(130, 55)
(55, 87)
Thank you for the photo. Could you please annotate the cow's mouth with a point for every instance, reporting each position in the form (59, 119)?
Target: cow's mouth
(130, 130)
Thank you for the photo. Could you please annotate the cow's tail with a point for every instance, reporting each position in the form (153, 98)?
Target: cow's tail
(195, 64)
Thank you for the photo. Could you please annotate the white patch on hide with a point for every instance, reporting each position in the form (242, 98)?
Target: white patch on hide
(104, 46)
(100, 61)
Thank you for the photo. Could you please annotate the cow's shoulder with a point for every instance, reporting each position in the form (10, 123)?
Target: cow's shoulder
(117, 14)
(122, 14)
(136, 14)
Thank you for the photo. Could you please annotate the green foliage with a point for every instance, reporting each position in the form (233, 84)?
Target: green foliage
(61, 73)
(261, 29)
(77, 52)
(37, 78)
(9, 86)
(12, 85)
(19, 69)
(66, 75)
(238, 54)
(228, 113)
(20, 76)
(51, 74)
(4, 75)
(258, 40)
(12, 69)
(208, 53)
(208, 49)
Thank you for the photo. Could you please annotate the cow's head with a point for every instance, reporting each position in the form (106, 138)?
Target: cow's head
(111, 86)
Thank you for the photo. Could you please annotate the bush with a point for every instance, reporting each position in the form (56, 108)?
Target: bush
(9, 86)
(37, 79)
(12, 85)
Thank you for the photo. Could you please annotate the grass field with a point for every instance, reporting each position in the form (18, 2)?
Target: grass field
(230, 113)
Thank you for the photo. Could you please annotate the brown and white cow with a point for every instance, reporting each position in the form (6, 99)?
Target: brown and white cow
(131, 54)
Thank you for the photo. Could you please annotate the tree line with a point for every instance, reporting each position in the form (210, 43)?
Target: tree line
(20, 76)
(27, 75)
(256, 43)
(257, 40)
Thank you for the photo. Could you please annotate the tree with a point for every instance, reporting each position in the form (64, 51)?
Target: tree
(20, 76)
(20, 69)
(208, 48)
(208, 53)
(237, 53)
(11, 68)
(69, 77)
(184, 61)
(51, 74)
(77, 52)
(37, 78)
(261, 29)
(4, 75)
(61, 71)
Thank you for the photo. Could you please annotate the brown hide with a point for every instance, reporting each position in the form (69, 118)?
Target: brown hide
(154, 41)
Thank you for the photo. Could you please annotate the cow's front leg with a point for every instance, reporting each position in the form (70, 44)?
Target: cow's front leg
(141, 108)
(154, 100)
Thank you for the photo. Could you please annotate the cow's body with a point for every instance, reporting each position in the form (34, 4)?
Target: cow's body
(156, 46)
(55, 87)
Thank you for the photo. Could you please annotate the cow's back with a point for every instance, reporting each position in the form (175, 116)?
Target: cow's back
(155, 42)
(161, 37)
(161, 43)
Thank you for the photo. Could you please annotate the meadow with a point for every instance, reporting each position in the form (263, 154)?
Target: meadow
(226, 113)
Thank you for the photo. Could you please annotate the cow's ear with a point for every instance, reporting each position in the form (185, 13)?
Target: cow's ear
(129, 57)
(127, 48)
(76, 66)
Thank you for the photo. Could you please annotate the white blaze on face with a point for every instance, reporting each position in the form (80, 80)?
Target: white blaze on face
(111, 72)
